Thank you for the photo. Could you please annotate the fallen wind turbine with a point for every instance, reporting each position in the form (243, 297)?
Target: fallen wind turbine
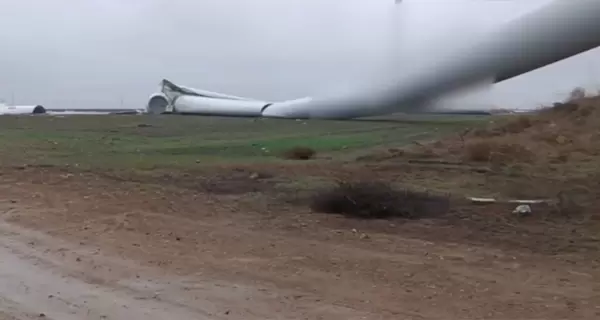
(557, 31)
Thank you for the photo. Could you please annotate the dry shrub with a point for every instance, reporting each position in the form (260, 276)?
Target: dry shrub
(519, 125)
(576, 95)
(548, 136)
(377, 200)
(551, 137)
(514, 125)
(299, 153)
(586, 111)
(499, 152)
(561, 108)
(567, 135)
(480, 151)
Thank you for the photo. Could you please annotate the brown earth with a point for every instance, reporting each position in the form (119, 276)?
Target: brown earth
(233, 243)
(241, 242)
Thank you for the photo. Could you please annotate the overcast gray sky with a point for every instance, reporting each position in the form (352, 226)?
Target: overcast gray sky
(93, 53)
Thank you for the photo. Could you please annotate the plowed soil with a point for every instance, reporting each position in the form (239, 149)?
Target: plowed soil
(86, 245)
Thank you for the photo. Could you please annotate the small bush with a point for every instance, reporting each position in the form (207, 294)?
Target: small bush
(563, 108)
(576, 94)
(377, 200)
(497, 152)
(519, 124)
(480, 151)
(299, 153)
(515, 125)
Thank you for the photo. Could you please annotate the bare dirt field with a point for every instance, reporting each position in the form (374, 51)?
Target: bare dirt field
(198, 218)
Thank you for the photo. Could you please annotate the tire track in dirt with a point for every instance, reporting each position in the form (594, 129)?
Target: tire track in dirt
(43, 277)
(34, 286)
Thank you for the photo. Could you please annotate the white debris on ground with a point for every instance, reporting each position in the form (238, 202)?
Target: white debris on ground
(523, 210)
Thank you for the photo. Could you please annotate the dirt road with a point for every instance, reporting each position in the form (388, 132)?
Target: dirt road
(34, 284)
(85, 247)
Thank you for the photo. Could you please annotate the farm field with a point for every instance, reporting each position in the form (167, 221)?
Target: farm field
(185, 217)
(185, 141)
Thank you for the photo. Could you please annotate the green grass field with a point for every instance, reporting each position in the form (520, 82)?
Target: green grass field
(181, 141)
